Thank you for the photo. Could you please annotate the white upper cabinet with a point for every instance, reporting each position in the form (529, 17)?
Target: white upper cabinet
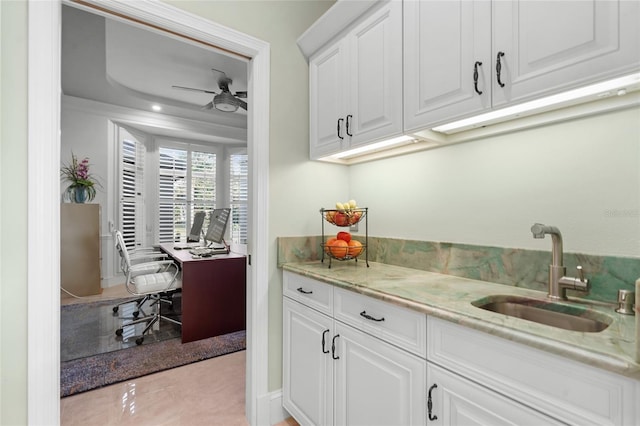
(443, 42)
(327, 109)
(464, 57)
(356, 84)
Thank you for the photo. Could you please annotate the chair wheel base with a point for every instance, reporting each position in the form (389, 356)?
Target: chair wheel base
(139, 340)
(119, 332)
(136, 314)
(115, 309)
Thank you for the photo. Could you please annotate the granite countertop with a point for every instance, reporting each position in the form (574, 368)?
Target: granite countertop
(449, 297)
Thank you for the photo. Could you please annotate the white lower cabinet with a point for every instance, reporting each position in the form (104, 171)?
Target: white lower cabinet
(350, 359)
(458, 401)
(376, 383)
(308, 364)
(336, 374)
(562, 389)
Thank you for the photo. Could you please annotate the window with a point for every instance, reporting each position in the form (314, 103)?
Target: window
(186, 183)
(238, 196)
(131, 189)
(181, 179)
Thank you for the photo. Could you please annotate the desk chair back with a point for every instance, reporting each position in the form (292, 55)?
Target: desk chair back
(147, 277)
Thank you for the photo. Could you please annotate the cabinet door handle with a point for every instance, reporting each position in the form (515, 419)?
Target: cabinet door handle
(339, 121)
(475, 76)
(430, 403)
(333, 347)
(303, 291)
(369, 317)
(499, 68)
(324, 333)
(349, 117)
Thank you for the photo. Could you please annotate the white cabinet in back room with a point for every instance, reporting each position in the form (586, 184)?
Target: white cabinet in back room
(465, 57)
(355, 84)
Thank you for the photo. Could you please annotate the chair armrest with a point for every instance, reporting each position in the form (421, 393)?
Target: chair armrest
(151, 267)
(148, 256)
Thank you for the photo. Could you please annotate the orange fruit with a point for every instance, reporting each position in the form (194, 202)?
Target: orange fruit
(355, 248)
(328, 244)
(343, 235)
(339, 249)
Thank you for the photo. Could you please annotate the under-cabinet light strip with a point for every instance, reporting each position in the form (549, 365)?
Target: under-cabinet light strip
(598, 90)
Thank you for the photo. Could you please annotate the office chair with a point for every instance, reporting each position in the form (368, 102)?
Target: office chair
(140, 255)
(154, 280)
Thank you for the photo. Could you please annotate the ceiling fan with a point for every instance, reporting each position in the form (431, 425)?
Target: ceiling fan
(225, 100)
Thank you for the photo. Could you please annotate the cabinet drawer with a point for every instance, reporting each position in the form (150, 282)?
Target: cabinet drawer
(400, 326)
(567, 390)
(313, 293)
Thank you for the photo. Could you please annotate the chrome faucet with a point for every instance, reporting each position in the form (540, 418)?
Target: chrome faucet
(558, 282)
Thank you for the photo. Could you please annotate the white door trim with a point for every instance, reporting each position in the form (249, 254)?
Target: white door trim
(43, 325)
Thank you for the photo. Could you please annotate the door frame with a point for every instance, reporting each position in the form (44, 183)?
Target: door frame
(43, 146)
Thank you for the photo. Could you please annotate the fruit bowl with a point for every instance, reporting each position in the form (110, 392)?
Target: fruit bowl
(346, 217)
(343, 253)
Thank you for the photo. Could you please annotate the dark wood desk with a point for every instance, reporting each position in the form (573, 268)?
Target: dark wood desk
(213, 293)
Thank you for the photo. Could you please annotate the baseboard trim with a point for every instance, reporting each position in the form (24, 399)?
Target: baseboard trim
(273, 400)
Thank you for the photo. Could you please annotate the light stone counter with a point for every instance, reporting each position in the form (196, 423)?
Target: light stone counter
(449, 297)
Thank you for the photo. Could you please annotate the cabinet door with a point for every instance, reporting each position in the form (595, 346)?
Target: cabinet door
(457, 401)
(375, 76)
(551, 46)
(327, 73)
(377, 383)
(307, 364)
(443, 40)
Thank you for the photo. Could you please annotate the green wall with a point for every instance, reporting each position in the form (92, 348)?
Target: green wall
(13, 212)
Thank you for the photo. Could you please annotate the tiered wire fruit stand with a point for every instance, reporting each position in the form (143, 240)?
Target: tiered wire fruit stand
(345, 219)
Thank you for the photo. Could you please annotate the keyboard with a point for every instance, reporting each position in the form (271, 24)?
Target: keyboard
(207, 251)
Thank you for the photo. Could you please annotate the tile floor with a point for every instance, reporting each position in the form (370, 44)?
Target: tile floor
(209, 392)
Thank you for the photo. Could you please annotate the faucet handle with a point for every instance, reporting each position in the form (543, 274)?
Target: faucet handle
(580, 273)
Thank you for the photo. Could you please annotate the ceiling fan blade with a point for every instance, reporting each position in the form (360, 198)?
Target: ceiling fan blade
(193, 90)
(208, 106)
(223, 76)
(242, 104)
(242, 94)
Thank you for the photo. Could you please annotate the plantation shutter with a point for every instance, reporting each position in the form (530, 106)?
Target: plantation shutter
(186, 183)
(239, 193)
(131, 192)
(203, 183)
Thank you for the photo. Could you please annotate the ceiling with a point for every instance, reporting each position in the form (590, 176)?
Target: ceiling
(121, 64)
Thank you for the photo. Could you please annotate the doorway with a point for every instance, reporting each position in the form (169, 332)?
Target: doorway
(43, 190)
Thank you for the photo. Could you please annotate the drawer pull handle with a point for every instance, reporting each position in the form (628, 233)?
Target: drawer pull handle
(499, 68)
(475, 77)
(340, 120)
(301, 290)
(324, 333)
(430, 403)
(348, 125)
(369, 317)
(333, 347)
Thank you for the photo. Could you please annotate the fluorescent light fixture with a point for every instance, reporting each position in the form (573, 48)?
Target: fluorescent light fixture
(618, 86)
(400, 140)
(156, 107)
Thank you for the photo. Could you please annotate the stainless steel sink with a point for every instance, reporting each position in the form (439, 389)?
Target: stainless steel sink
(558, 315)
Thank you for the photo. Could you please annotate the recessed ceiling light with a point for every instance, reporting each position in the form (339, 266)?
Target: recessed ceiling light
(156, 107)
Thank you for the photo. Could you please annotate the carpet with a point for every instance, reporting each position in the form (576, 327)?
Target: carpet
(117, 362)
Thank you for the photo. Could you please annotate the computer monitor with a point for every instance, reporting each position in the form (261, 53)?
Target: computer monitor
(196, 228)
(217, 226)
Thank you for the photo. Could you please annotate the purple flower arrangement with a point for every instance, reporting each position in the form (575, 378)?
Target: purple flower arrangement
(82, 184)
